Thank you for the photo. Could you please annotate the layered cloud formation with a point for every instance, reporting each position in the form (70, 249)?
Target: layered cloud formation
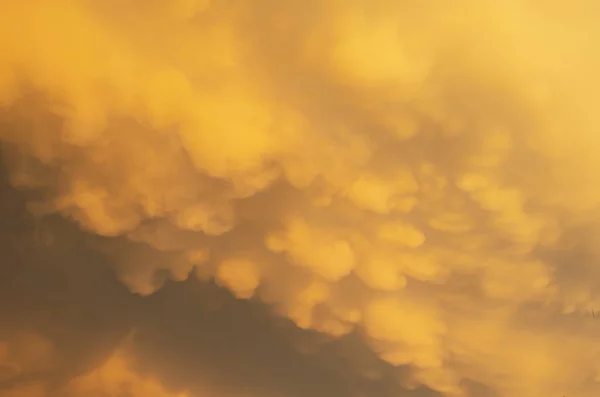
(415, 180)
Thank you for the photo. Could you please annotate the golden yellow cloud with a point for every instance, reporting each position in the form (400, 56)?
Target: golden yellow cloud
(117, 377)
(30, 353)
(421, 173)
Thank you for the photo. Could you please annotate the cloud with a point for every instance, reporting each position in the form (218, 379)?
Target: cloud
(420, 177)
(69, 328)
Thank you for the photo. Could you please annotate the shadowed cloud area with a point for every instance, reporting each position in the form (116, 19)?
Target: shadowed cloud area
(69, 328)
(325, 198)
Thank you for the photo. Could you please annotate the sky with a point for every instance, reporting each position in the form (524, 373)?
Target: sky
(215, 198)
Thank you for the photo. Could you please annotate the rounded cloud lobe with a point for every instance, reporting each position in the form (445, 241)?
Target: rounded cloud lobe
(419, 176)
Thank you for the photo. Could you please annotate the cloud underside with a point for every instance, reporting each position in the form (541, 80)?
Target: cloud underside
(365, 198)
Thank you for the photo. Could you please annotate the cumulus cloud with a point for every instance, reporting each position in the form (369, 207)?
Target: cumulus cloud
(417, 175)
